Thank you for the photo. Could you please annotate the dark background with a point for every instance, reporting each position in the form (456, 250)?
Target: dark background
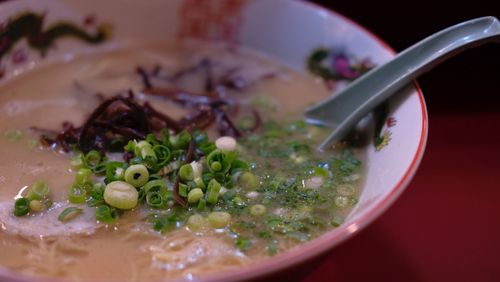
(446, 225)
(468, 82)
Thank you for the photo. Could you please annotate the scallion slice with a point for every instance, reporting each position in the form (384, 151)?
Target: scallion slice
(38, 191)
(154, 200)
(77, 195)
(69, 213)
(21, 207)
(106, 214)
(213, 190)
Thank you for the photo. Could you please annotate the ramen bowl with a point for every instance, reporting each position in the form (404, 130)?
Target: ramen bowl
(301, 35)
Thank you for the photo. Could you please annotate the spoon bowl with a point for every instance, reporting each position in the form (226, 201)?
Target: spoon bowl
(344, 110)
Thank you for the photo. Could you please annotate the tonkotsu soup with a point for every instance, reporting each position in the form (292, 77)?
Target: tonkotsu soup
(162, 162)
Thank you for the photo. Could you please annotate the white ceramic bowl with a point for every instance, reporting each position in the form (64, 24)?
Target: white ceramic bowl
(285, 30)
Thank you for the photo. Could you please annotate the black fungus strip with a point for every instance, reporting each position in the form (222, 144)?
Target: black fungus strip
(207, 66)
(224, 125)
(43, 131)
(200, 119)
(189, 70)
(156, 71)
(124, 131)
(121, 118)
(190, 151)
(144, 76)
(92, 135)
(257, 121)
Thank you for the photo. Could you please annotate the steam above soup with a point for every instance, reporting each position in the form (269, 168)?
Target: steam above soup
(164, 162)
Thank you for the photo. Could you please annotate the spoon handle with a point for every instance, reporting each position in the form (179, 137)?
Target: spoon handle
(346, 108)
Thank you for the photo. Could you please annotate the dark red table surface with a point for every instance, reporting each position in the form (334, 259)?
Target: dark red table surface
(446, 225)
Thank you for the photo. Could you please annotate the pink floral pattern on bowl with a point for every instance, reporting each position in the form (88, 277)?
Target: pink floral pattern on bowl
(31, 26)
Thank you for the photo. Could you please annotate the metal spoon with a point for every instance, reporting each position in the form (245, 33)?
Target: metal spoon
(345, 109)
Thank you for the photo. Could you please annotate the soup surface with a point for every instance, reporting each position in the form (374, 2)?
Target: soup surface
(222, 206)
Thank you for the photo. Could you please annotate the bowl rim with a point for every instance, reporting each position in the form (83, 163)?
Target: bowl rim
(327, 241)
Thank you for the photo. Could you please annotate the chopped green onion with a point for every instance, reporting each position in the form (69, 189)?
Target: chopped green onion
(121, 195)
(151, 139)
(248, 180)
(36, 206)
(196, 222)
(163, 222)
(154, 200)
(168, 198)
(114, 171)
(183, 190)
(96, 195)
(243, 244)
(341, 201)
(38, 190)
(77, 195)
(137, 175)
(13, 135)
(106, 214)
(220, 161)
(197, 169)
(213, 190)
(195, 195)
(319, 171)
(219, 219)
(142, 195)
(157, 185)
(69, 214)
(77, 162)
(162, 153)
(199, 183)
(99, 168)
(216, 166)
(141, 145)
(203, 144)
(238, 201)
(92, 158)
(239, 165)
(119, 173)
(181, 140)
(130, 147)
(345, 190)
(83, 176)
(164, 135)
(21, 207)
(337, 221)
(186, 172)
(136, 160)
(257, 210)
(202, 203)
(149, 156)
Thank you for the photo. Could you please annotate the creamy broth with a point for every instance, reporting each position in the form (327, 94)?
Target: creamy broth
(83, 249)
